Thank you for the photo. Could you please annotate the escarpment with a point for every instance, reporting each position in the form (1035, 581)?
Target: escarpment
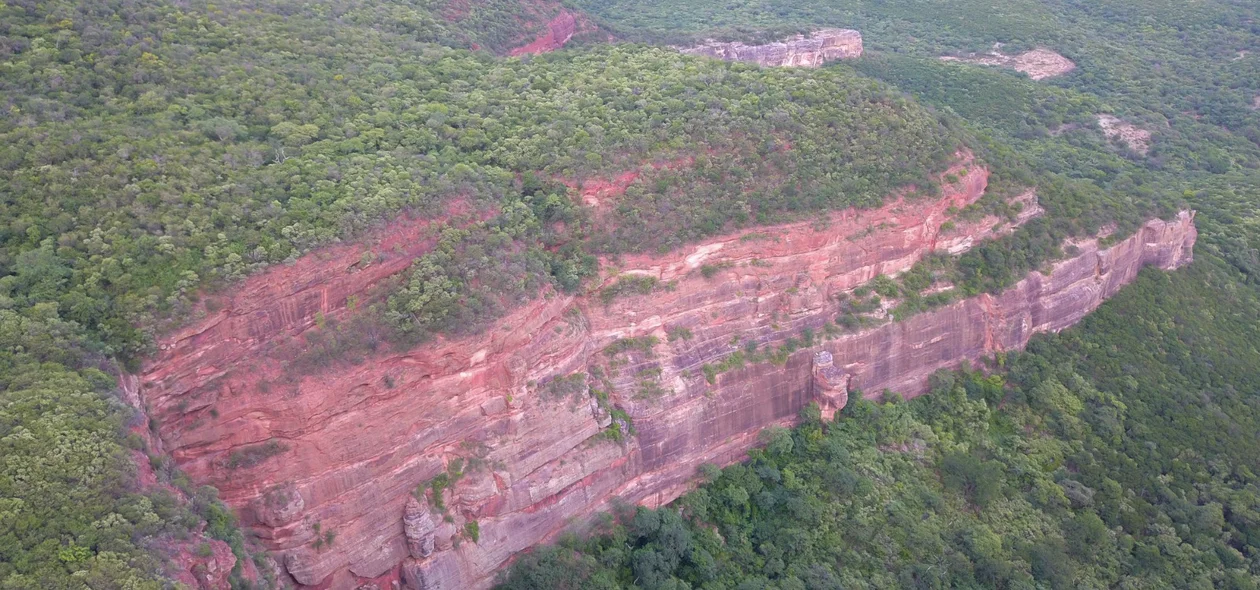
(432, 467)
(559, 30)
(810, 51)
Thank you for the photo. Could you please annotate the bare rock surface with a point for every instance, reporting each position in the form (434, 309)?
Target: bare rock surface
(419, 528)
(357, 440)
(1038, 63)
(1136, 138)
(559, 30)
(802, 51)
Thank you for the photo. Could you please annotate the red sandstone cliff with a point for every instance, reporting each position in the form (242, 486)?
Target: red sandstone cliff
(559, 30)
(810, 51)
(346, 448)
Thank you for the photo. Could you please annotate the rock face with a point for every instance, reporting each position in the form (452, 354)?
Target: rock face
(1113, 127)
(420, 529)
(1038, 63)
(196, 560)
(559, 30)
(801, 51)
(523, 420)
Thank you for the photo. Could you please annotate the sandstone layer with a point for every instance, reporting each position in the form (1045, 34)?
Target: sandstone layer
(800, 51)
(523, 418)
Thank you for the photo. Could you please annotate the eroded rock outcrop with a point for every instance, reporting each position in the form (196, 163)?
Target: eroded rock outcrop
(1039, 64)
(558, 32)
(800, 51)
(1136, 138)
(419, 528)
(528, 421)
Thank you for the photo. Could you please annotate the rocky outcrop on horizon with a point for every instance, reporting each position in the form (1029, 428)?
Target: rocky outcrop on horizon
(812, 51)
(523, 420)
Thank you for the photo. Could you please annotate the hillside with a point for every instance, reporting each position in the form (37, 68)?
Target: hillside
(232, 233)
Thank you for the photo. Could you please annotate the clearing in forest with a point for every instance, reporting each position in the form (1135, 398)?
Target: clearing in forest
(1038, 63)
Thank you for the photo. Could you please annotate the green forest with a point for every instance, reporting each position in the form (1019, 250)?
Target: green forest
(153, 152)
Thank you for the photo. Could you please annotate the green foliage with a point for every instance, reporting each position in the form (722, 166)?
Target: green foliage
(980, 482)
(1040, 134)
(621, 426)
(735, 360)
(884, 286)
(473, 530)
(188, 189)
(709, 271)
(641, 344)
(1119, 453)
(440, 482)
(149, 152)
(752, 354)
(70, 513)
(66, 509)
(255, 454)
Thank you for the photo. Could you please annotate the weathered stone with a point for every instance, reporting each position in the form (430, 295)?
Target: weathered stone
(418, 526)
(802, 51)
(831, 384)
(1039, 64)
(281, 505)
(356, 447)
(435, 574)
(602, 416)
(444, 536)
(558, 32)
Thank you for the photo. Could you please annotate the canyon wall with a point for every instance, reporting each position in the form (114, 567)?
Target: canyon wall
(810, 51)
(570, 402)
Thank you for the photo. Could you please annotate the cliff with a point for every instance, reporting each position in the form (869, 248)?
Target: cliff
(524, 420)
(558, 32)
(1039, 64)
(803, 51)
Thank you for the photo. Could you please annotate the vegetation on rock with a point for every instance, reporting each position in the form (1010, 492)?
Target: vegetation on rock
(153, 150)
(1108, 456)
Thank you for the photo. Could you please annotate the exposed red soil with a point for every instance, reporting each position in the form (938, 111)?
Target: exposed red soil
(559, 30)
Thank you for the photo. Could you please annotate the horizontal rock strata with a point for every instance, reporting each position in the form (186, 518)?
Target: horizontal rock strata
(800, 51)
(522, 419)
(559, 30)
